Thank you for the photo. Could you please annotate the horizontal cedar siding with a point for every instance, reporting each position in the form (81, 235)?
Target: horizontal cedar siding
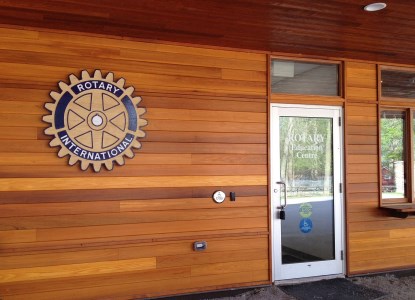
(362, 160)
(69, 234)
(376, 241)
(361, 82)
(362, 179)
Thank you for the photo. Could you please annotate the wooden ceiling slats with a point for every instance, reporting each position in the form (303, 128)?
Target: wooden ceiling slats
(339, 28)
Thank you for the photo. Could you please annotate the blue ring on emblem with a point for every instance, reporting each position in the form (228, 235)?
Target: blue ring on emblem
(60, 110)
(132, 114)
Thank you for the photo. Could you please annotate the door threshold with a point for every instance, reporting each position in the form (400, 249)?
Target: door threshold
(307, 279)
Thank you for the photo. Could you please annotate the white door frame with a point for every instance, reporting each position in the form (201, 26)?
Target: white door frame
(310, 269)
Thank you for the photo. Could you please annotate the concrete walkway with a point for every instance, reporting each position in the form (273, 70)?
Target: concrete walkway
(390, 286)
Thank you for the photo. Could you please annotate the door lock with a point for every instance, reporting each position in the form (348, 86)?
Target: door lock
(281, 214)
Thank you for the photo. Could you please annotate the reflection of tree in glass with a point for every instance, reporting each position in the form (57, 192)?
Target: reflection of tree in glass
(392, 151)
(392, 127)
(391, 141)
(306, 154)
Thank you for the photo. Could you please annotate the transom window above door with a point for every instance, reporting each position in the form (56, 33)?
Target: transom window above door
(305, 77)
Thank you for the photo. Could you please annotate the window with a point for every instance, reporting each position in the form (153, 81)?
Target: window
(398, 83)
(394, 161)
(397, 135)
(306, 78)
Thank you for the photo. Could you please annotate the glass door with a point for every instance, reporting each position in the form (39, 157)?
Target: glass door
(307, 200)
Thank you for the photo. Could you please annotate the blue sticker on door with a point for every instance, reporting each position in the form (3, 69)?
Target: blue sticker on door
(306, 225)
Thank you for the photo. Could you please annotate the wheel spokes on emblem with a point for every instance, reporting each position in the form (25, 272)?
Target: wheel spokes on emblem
(97, 121)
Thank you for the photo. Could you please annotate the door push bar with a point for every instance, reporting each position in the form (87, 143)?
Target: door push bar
(285, 194)
(281, 213)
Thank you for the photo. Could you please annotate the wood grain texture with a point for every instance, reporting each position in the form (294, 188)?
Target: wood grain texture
(113, 241)
(74, 270)
(60, 221)
(376, 241)
(143, 289)
(361, 80)
(134, 170)
(97, 253)
(172, 204)
(65, 233)
(26, 197)
(197, 101)
(48, 184)
(177, 228)
(270, 26)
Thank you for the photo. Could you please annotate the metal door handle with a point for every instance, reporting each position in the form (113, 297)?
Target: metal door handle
(285, 194)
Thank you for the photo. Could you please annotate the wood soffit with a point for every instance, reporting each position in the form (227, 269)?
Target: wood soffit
(320, 27)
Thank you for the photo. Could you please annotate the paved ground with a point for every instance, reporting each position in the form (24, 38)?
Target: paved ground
(266, 293)
(396, 286)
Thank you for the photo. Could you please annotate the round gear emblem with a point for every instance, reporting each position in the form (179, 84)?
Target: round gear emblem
(95, 120)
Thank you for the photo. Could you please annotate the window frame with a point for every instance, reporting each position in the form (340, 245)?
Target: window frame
(340, 79)
(408, 137)
(408, 106)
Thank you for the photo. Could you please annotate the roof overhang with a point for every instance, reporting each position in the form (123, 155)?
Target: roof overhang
(340, 28)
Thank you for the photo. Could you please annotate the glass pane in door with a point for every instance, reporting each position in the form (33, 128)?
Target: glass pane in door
(306, 162)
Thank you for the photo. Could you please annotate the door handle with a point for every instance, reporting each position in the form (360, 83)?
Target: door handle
(283, 205)
(281, 213)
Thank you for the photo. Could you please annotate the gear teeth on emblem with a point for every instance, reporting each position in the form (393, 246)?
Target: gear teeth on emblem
(143, 122)
(73, 79)
(84, 165)
(140, 133)
(97, 74)
(48, 119)
(96, 166)
(63, 86)
(109, 165)
(129, 90)
(137, 100)
(72, 160)
(85, 75)
(120, 161)
(54, 143)
(91, 120)
(110, 77)
(121, 82)
(136, 144)
(141, 111)
(129, 153)
(55, 96)
(49, 131)
(63, 152)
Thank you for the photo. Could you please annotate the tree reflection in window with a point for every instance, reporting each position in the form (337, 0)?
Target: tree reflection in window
(392, 128)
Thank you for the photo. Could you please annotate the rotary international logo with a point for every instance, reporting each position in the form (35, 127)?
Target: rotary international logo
(95, 120)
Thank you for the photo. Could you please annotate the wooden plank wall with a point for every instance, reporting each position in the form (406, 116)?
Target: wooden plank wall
(69, 234)
(377, 242)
